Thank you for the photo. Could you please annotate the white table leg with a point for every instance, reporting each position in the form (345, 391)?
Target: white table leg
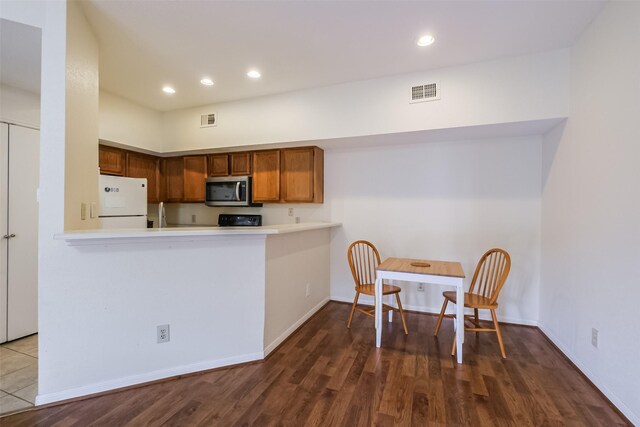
(378, 303)
(459, 321)
(390, 311)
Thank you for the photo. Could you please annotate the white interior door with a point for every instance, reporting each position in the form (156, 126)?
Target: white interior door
(22, 265)
(4, 175)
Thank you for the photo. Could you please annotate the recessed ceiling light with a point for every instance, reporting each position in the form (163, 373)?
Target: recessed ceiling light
(207, 82)
(254, 74)
(426, 40)
(168, 89)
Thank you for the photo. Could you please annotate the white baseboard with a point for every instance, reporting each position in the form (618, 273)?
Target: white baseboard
(635, 419)
(86, 390)
(268, 349)
(436, 310)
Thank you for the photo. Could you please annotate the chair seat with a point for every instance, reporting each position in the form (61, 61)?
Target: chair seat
(371, 289)
(471, 300)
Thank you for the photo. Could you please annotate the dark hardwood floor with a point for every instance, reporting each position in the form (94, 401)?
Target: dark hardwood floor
(328, 375)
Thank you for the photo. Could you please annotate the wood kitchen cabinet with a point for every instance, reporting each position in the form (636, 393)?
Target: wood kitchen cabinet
(302, 175)
(140, 165)
(218, 165)
(266, 176)
(290, 175)
(174, 179)
(240, 164)
(111, 160)
(235, 164)
(195, 175)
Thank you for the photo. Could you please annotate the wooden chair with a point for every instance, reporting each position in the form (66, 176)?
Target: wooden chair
(491, 273)
(363, 260)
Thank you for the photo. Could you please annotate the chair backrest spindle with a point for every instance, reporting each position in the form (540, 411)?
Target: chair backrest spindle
(491, 274)
(363, 259)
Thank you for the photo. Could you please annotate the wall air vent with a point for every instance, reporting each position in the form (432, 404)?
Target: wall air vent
(426, 92)
(208, 120)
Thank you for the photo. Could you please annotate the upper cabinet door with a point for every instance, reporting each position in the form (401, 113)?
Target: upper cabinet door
(174, 179)
(218, 165)
(302, 175)
(145, 166)
(111, 160)
(195, 176)
(240, 164)
(266, 176)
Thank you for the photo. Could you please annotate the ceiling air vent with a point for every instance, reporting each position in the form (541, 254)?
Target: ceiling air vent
(427, 92)
(208, 120)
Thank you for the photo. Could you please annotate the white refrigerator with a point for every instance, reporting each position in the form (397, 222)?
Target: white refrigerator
(123, 202)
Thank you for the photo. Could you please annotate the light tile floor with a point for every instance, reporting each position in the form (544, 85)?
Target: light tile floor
(18, 374)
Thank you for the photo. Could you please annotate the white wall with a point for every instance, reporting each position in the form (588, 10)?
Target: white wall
(19, 106)
(509, 90)
(30, 13)
(443, 201)
(293, 262)
(125, 122)
(81, 171)
(591, 209)
(51, 192)
(111, 298)
(451, 200)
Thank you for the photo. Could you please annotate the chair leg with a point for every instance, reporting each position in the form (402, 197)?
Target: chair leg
(353, 309)
(495, 324)
(404, 323)
(475, 315)
(444, 307)
(453, 347)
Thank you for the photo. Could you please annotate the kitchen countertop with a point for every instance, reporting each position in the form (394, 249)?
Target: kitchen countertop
(154, 233)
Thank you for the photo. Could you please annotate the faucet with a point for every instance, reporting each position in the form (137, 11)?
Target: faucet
(162, 218)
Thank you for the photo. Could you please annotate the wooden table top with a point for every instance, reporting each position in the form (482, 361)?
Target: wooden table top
(436, 268)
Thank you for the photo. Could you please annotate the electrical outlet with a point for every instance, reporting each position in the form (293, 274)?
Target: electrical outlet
(421, 287)
(594, 337)
(193, 219)
(93, 210)
(290, 211)
(308, 289)
(163, 333)
(83, 211)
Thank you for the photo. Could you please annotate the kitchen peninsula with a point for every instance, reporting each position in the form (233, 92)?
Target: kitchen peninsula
(229, 295)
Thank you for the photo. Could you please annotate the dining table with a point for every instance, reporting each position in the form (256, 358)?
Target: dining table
(447, 273)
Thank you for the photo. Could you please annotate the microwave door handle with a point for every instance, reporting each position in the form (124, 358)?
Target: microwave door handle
(238, 191)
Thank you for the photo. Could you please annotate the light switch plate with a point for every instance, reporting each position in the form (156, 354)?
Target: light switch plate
(83, 211)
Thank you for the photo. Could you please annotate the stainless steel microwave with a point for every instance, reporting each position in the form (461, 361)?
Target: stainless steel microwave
(229, 191)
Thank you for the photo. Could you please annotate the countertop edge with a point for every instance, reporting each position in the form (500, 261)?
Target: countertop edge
(154, 233)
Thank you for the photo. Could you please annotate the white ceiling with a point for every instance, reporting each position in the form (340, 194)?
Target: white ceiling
(300, 44)
(20, 52)
(296, 44)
